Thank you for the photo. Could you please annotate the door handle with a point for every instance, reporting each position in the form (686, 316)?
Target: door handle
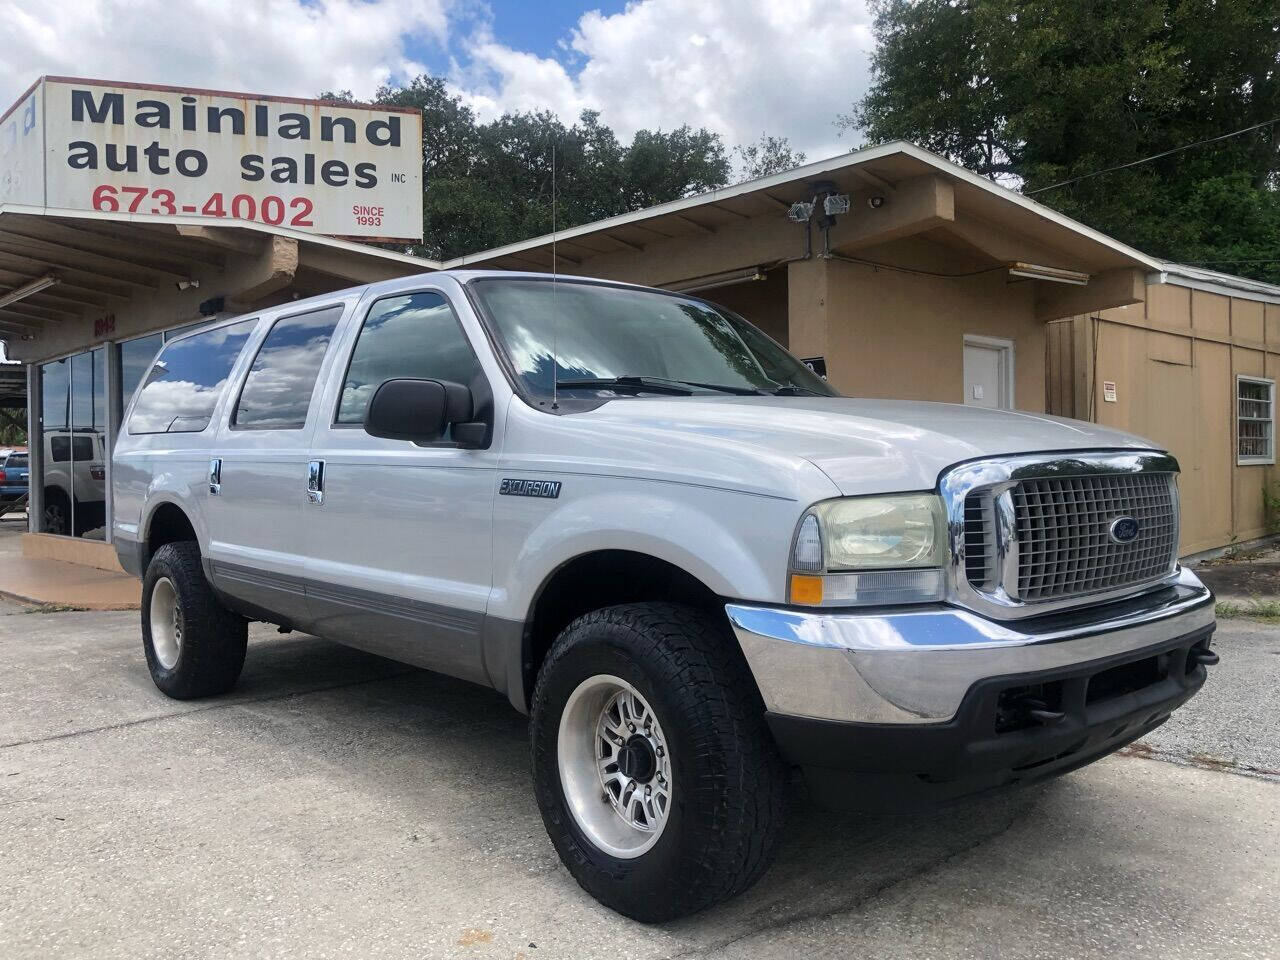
(215, 476)
(315, 481)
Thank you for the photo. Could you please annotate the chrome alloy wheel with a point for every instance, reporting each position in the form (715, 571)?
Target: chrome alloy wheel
(166, 623)
(615, 766)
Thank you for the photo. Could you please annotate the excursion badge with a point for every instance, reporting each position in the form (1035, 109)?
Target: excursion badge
(547, 489)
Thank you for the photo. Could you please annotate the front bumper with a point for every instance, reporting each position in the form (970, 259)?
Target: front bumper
(933, 701)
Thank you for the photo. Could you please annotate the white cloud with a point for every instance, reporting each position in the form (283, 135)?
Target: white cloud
(739, 67)
(284, 47)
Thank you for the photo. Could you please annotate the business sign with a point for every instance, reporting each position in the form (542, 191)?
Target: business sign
(349, 171)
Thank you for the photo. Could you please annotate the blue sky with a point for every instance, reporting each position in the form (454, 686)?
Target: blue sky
(539, 27)
(741, 68)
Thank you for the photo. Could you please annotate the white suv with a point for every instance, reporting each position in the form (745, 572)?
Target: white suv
(692, 562)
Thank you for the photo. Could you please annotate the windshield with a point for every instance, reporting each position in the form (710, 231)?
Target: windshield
(600, 333)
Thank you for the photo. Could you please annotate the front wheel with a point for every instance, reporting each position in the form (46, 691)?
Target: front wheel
(194, 645)
(658, 782)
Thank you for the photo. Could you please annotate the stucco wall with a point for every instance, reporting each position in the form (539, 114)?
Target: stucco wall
(900, 335)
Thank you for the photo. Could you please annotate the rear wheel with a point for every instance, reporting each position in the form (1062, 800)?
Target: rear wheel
(657, 779)
(56, 516)
(194, 645)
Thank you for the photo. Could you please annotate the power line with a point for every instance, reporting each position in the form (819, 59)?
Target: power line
(1154, 156)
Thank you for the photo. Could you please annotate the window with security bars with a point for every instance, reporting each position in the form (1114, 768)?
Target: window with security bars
(1255, 420)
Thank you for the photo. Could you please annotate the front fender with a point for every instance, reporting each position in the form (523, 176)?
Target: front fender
(736, 544)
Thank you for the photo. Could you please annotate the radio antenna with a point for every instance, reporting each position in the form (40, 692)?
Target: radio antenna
(555, 315)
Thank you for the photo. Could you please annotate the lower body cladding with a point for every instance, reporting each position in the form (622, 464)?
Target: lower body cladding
(900, 708)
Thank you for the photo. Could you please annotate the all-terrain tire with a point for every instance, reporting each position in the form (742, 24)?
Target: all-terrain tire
(727, 805)
(213, 639)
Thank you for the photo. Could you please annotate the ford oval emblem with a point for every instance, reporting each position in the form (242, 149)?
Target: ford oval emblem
(1124, 530)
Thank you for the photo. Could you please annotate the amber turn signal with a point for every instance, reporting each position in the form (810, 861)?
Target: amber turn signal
(806, 590)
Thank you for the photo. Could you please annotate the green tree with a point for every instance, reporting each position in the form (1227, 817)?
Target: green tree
(1035, 92)
(766, 156)
(489, 184)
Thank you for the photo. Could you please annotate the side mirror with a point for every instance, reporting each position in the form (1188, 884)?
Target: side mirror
(417, 410)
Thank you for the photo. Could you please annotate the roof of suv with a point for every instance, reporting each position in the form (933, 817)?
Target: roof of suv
(410, 282)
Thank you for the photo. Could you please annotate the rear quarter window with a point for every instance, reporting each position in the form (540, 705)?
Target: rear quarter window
(187, 378)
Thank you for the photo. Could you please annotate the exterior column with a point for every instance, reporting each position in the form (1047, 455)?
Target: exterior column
(35, 449)
(808, 313)
(114, 413)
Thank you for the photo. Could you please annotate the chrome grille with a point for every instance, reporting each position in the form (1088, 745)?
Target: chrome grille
(1064, 548)
(979, 540)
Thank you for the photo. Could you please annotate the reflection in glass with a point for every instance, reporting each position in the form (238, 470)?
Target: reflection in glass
(55, 380)
(185, 381)
(73, 445)
(576, 331)
(277, 391)
(416, 337)
(135, 360)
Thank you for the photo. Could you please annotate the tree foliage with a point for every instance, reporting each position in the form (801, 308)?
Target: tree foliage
(1034, 92)
(489, 184)
(766, 156)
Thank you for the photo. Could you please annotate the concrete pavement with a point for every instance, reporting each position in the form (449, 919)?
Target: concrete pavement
(42, 580)
(338, 805)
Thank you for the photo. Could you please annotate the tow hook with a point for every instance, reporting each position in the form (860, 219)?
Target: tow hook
(1204, 657)
(1039, 711)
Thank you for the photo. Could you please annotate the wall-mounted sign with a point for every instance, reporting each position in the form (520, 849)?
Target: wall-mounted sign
(127, 149)
(816, 365)
(1109, 391)
(105, 325)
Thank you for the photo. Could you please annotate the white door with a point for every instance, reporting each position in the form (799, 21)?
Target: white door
(399, 544)
(988, 372)
(257, 516)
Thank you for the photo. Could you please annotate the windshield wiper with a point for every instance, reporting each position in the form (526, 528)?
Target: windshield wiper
(663, 384)
(791, 390)
(634, 384)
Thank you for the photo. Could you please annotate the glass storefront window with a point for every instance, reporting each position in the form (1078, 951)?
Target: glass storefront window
(73, 445)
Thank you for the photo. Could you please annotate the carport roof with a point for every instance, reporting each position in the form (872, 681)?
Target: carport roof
(880, 168)
(101, 259)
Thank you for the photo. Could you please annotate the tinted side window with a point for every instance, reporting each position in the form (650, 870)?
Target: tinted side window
(415, 336)
(63, 449)
(278, 388)
(186, 380)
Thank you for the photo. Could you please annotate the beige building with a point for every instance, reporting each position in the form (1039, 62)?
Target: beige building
(932, 270)
(1194, 367)
(897, 273)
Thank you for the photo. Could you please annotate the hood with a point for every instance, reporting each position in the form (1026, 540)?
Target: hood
(863, 446)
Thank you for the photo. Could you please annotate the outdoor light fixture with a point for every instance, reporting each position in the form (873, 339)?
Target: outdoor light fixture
(1055, 274)
(835, 203)
(715, 280)
(800, 212)
(187, 284)
(27, 289)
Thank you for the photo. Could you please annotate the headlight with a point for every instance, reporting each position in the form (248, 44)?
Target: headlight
(870, 550)
(883, 532)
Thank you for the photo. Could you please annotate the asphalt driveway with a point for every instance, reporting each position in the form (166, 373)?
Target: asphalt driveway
(340, 805)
